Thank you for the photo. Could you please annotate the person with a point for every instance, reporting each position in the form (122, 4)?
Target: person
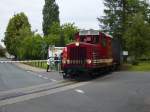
(56, 62)
(48, 63)
(61, 58)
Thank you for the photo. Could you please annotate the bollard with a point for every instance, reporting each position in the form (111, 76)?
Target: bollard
(38, 63)
(41, 64)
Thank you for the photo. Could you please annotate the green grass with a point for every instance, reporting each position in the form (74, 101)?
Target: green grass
(142, 66)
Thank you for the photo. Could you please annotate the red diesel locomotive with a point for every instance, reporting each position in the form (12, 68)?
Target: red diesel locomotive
(92, 51)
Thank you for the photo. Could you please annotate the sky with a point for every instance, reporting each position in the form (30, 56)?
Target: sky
(82, 13)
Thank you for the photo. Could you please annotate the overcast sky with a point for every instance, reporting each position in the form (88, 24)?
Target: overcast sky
(81, 12)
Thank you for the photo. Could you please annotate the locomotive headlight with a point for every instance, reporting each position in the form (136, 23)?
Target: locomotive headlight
(64, 61)
(68, 61)
(89, 61)
(77, 44)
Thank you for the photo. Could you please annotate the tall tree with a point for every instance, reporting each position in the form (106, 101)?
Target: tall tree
(138, 36)
(50, 15)
(14, 31)
(117, 14)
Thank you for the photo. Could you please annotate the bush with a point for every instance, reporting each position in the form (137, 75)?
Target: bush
(134, 62)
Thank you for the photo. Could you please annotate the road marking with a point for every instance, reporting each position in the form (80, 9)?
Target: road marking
(45, 77)
(39, 94)
(29, 71)
(40, 76)
(53, 80)
(37, 74)
(79, 91)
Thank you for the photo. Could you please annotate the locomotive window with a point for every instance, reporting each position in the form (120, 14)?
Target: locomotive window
(90, 39)
(82, 38)
(96, 39)
(104, 41)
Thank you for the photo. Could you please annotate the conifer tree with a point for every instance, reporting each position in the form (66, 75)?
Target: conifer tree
(118, 14)
(50, 15)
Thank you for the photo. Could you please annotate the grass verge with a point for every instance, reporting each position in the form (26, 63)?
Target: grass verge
(142, 66)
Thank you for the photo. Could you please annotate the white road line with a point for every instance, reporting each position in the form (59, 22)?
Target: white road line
(29, 71)
(79, 91)
(40, 76)
(37, 75)
(53, 80)
(45, 77)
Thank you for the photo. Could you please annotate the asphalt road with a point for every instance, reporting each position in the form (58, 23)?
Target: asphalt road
(12, 77)
(115, 92)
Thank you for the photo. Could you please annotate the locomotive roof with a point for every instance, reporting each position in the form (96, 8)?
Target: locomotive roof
(92, 32)
(89, 32)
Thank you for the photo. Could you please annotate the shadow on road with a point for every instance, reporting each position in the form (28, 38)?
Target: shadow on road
(88, 77)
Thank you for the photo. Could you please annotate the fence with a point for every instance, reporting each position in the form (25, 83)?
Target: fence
(38, 63)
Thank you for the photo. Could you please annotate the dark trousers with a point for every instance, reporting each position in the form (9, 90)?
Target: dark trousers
(47, 67)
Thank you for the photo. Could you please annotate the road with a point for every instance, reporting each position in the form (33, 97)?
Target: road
(114, 92)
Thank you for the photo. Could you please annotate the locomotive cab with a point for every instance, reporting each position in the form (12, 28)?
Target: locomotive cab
(91, 52)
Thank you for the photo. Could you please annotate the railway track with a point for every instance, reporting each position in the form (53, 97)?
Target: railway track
(23, 94)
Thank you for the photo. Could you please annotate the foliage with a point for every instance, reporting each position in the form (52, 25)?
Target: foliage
(31, 47)
(138, 36)
(50, 15)
(52, 39)
(60, 35)
(14, 32)
(21, 42)
(2, 51)
(117, 13)
(69, 30)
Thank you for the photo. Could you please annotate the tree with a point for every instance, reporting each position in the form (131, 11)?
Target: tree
(138, 36)
(61, 35)
(31, 47)
(117, 14)
(69, 30)
(16, 25)
(50, 15)
(53, 37)
(22, 40)
(2, 51)
(111, 22)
